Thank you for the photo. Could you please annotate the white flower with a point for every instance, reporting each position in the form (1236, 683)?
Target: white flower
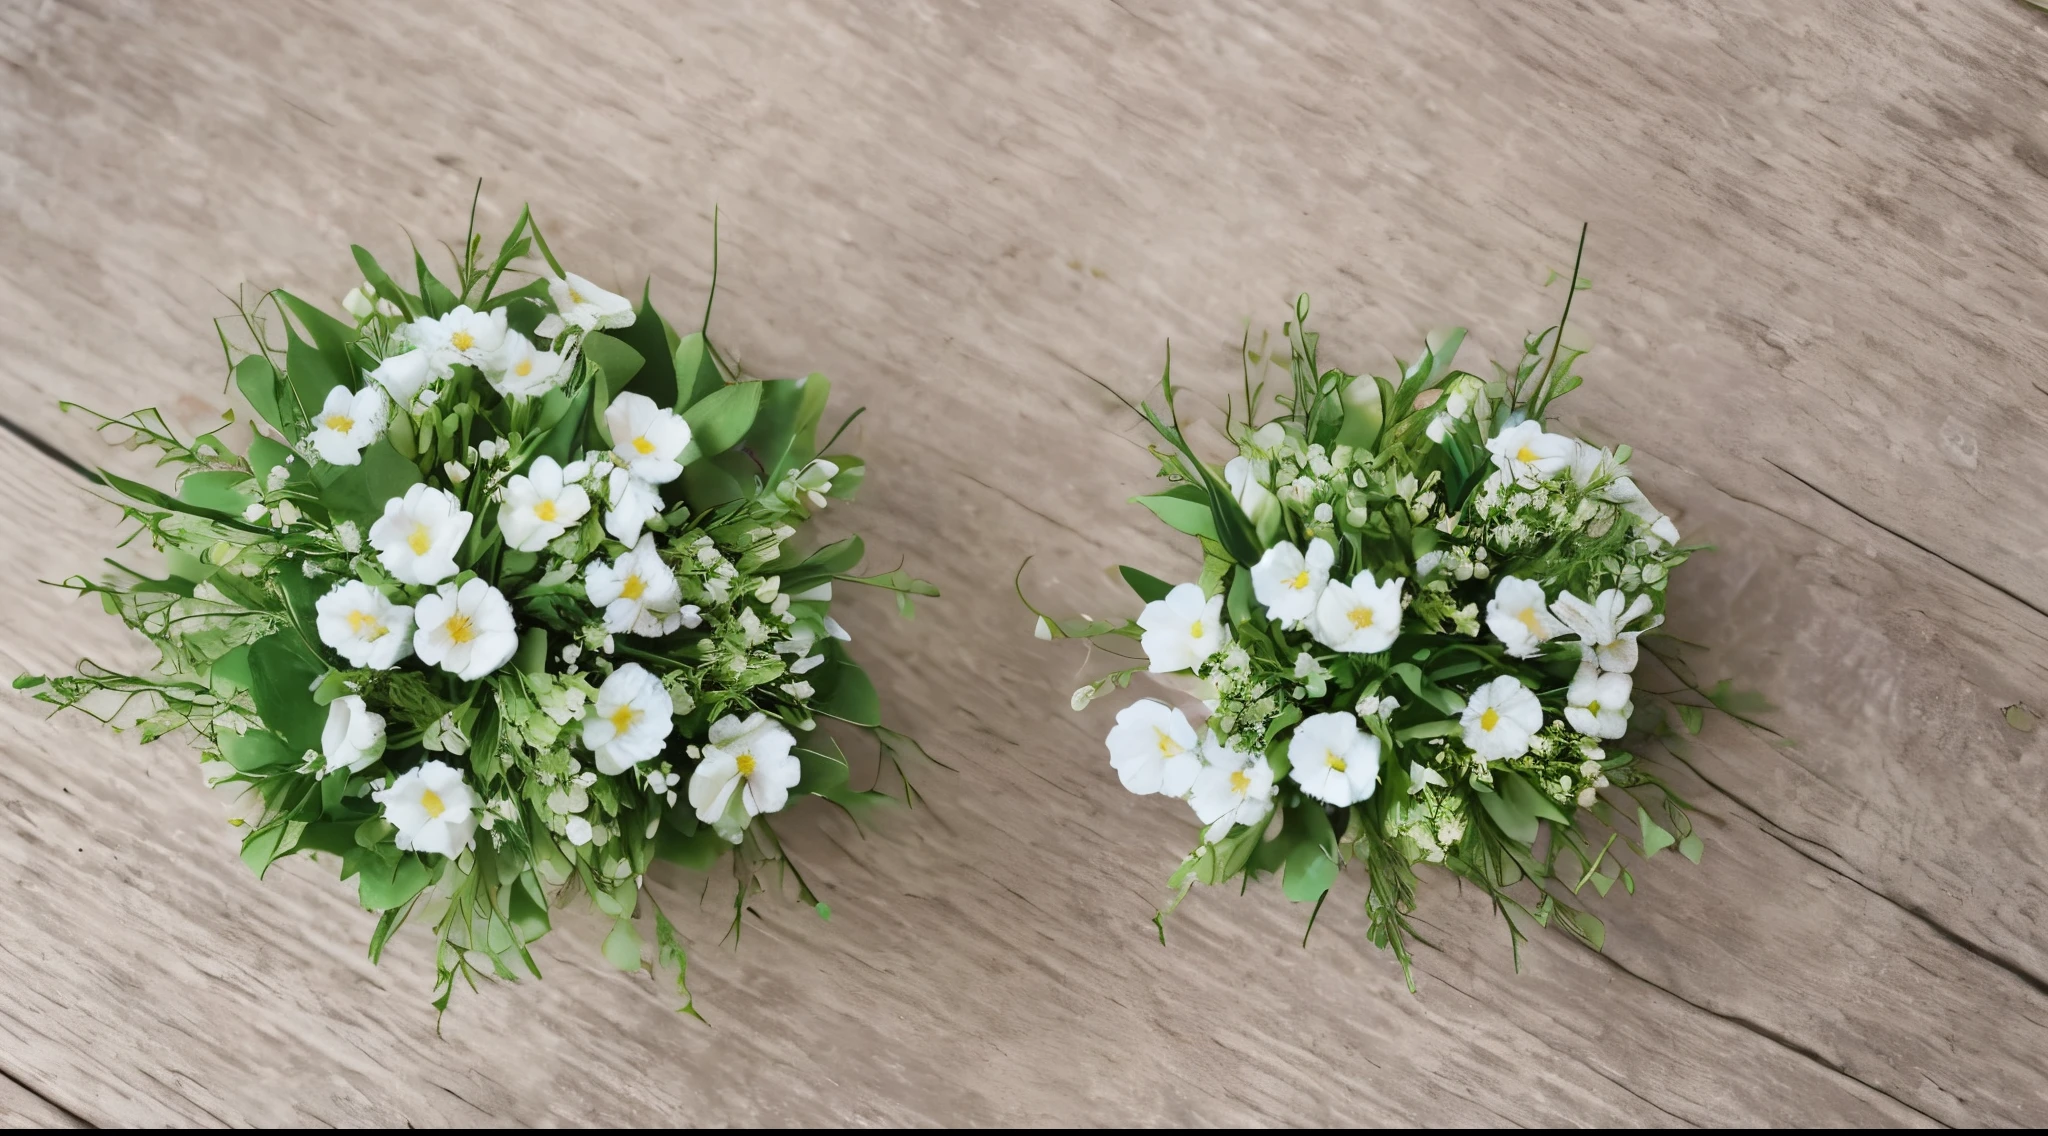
(1500, 719)
(1591, 466)
(1526, 454)
(1289, 582)
(813, 481)
(1597, 702)
(461, 336)
(638, 592)
(1333, 760)
(353, 737)
(753, 757)
(576, 830)
(360, 625)
(348, 421)
(1247, 481)
(468, 631)
(1183, 629)
(633, 503)
(1233, 788)
(419, 534)
(630, 721)
(1359, 618)
(1518, 615)
(456, 471)
(359, 304)
(583, 306)
(1420, 775)
(1599, 626)
(1657, 527)
(1152, 749)
(432, 808)
(540, 505)
(646, 438)
(519, 370)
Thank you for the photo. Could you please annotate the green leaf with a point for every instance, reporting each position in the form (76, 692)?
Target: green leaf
(1655, 838)
(256, 377)
(311, 372)
(1527, 799)
(616, 361)
(1150, 588)
(1693, 717)
(529, 908)
(845, 692)
(1191, 517)
(229, 491)
(562, 440)
(720, 419)
(330, 335)
(262, 847)
(696, 372)
(283, 674)
(1441, 729)
(382, 886)
(835, 559)
(1692, 847)
(358, 492)
(149, 495)
(647, 335)
(773, 435)
(1310, 872)
(434, 295)
(694, 848)
(387, 289)
(256, 750)
(1514, 822)
(622, 946)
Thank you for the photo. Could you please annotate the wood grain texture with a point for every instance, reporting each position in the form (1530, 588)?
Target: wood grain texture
(1819, 280)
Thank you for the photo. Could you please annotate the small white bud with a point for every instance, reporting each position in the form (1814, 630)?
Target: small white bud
(357, 304)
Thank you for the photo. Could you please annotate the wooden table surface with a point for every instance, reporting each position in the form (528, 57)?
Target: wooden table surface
(1819, 286)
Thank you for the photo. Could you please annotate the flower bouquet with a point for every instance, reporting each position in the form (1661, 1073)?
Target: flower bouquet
(1414, 631)
(502, 601)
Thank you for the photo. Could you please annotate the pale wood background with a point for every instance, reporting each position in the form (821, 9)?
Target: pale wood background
(1819, 285)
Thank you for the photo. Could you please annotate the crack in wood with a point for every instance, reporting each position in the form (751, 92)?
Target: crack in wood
(1866, 518)
(50, 450)
(67, 1112)
(1782, 1040)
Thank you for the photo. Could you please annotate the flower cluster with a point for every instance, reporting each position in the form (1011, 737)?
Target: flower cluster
(1415, 635)
(502, 601)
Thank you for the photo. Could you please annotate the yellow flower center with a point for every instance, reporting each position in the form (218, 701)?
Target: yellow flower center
(545, 510)
(340, 423)
(1167, 746)
(642, 445)
(634, 587)
(460, 629)
(1195, 630)
(1529, 620)
(1594, 706)
(462, 341)
(1336, 763)
(1361, 617)
(366, 626)
(745, 764)
(1489, 720)
(523, 368)
(622, 718)
(431, 801)
(420, 541)
(1299, 582)
(575, 297)
(1525, 454)
(1239, 783)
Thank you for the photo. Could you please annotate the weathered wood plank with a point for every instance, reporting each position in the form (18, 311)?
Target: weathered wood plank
(1817, 271)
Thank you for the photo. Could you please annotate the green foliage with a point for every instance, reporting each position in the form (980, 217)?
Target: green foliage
(1399, 478)
(258, 527)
